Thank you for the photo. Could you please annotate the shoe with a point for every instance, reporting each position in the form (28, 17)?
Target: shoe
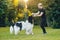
(45, 33)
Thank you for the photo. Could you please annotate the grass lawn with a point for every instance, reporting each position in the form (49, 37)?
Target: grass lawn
(52, 34)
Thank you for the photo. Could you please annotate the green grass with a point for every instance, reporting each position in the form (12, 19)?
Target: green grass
(52, 34)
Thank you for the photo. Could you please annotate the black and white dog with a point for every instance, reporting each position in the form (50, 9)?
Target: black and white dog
(18, 26)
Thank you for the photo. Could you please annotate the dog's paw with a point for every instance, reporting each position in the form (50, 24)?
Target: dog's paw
(27, 33)
(32, 33)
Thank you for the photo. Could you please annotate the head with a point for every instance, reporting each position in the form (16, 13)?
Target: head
(40, 6)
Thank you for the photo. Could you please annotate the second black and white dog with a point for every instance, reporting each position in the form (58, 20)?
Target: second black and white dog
(22, 25)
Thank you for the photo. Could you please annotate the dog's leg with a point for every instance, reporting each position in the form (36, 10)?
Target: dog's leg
(11, 30)
(16, 30)
(31, 29)
(27, 32)
(31, 32)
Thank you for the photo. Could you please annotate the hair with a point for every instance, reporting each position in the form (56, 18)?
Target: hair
(39, 4)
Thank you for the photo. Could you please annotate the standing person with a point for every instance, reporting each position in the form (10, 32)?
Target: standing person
(41, 13)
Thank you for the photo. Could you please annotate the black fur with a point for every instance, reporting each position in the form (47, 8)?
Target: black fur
(30, 19)
(19, 25)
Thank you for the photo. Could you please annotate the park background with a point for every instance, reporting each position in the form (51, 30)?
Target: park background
(14, 9)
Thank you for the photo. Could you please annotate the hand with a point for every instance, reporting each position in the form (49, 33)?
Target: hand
(38, 15)
(34, 15)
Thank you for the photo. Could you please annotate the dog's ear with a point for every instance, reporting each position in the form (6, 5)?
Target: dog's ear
(18, 24)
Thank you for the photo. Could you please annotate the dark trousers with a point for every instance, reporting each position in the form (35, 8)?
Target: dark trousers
(43, 24)
(43, 28)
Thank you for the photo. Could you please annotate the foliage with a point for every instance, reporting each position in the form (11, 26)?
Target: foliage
(54, 12)
(3, 10)
(14, 10)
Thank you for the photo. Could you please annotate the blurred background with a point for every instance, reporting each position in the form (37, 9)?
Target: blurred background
(13, 10)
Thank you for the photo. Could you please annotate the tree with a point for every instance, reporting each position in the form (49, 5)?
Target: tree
(54, 12)
(3, 10)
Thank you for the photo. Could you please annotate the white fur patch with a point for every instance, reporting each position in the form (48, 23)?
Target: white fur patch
(25, 26)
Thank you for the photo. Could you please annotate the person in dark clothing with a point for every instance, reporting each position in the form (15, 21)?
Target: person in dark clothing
(41, 14)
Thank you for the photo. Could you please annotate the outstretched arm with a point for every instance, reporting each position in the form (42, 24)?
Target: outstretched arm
(35, 14)
(40, 14)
